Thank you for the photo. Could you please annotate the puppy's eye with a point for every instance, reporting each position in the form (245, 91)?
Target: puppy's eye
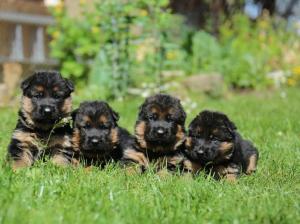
(153, 116)
(56, 96)
(214, 138)
(87, 125)
(38, 95)
(169, 117)
(103, 126)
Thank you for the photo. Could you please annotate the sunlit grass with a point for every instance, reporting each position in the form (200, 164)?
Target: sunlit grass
(47, 194)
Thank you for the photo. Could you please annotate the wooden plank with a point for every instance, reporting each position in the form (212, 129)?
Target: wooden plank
(25, 18)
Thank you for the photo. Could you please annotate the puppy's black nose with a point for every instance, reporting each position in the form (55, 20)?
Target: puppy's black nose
(200, 152)
(47, 110)
(160, 131)
(94, 141)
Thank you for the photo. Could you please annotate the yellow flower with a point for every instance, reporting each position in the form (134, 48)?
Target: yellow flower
(82, 2)
(296, 70)
(55, 34)
(95, 30)
(143, 12)
(59, 7)
(171, 55)
(263, 24)
(262, 36)
(291, 82)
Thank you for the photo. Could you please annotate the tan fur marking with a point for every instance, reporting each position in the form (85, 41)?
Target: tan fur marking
(251, 165)
(63, 141)
(25, 138)
(103, 119)
(192, 166)
(171, 110)
(55, 88)
(114, 136)
(227, 172)
(175, 160)
(137, 157)
(76, 139)
(25, 160)
(220, 170)
(27, 108)
(75, 162)
(226, 146)
(231, 177)
(67, 106)
(154, 110)
(180, 136)
(60, 160)
(87, 119)
(140, 134)
(39, 88)
(215, 131)
(188, 142)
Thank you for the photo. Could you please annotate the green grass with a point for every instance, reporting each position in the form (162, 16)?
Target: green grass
(47, 194)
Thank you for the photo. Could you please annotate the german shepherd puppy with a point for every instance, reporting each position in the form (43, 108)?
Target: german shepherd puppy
(215, 145)
(160, 131)
(46, 101)
(97, 136)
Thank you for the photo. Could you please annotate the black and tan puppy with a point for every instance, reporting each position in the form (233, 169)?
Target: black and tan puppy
(160, 130)
(97, 136)
(45, 102)
(215, 145)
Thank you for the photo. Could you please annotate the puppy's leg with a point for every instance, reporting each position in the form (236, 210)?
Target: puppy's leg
(61, 151)
(251, 165)
(191, 167)
(60, 160)
(22, 149)
(229, 172)
(132, 157)
(63, 157)
(24, 159)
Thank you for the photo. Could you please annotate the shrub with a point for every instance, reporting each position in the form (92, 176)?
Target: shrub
(115, 41)
(245, 51)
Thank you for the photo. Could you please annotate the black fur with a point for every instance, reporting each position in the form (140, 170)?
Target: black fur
(215, 142)
(160, 129)
(46, 100)
(97, 136)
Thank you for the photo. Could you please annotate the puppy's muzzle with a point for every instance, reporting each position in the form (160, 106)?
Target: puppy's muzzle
(47, 110)
(160, 130)
(95, 141)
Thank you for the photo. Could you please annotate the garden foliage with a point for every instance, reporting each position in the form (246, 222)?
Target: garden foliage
(120, 44)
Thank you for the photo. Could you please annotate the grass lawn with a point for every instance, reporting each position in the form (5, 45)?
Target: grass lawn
(47, 194)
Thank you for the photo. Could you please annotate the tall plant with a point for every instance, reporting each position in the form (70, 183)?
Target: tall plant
(102, 44)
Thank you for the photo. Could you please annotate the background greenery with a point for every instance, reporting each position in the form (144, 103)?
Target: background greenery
(123, 44)
(121, 47)
(47, 194)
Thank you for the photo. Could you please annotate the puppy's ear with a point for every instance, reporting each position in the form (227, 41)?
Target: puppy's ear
(141, 113)
(69, 85)
(115, 115)
(182, 113)
(74, 113)
(195, 126)
(229, 124)
(26, 83)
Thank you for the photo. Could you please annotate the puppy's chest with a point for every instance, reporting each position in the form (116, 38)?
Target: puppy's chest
(47, 141)
(171, 160)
